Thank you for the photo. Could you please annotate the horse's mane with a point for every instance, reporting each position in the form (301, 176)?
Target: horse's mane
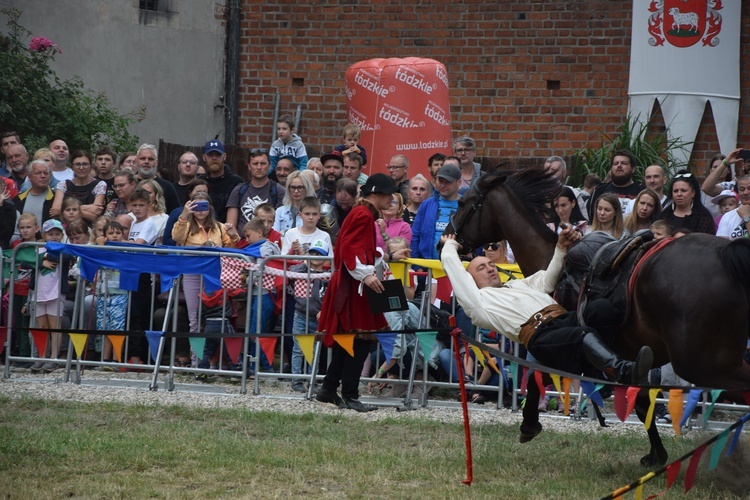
(535, 188)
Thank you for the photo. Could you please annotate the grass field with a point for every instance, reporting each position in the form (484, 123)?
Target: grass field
(76, 450)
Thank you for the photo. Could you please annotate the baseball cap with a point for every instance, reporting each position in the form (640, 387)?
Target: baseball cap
(52, 224)
(213, 145)
(333, 155)
(449, 173)
(727, 193)
(378, 183)
(319, 247)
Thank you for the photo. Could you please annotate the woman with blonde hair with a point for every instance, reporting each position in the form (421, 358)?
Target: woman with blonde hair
(157, 208)
(298, 187)
(646, 209)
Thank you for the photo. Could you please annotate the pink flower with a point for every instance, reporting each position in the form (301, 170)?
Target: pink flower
(42, 44)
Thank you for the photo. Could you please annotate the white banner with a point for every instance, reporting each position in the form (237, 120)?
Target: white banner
(685, 53)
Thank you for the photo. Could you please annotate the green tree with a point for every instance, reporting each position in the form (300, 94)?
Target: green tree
(40, 106)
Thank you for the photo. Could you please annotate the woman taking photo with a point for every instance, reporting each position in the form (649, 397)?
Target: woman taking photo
(567, 211)
(298, 187)
(608, 216)
(89, 190)
(646, 209)
(686, 210)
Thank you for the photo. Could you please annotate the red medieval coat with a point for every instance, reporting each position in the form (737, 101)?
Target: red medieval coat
(344, 310)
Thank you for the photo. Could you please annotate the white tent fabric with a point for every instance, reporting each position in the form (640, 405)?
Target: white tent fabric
(685, 54)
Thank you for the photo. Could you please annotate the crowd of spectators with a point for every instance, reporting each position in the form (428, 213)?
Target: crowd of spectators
(295, 205)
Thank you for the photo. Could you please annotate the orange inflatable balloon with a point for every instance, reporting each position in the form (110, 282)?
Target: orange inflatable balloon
(402, 107)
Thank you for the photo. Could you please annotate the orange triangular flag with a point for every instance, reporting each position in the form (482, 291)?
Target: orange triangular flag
(345, 340)
(117, 342)
(40, 340)
(632, 394)
(538, 378)
(651, 405)
(268, 344)
(566, 397)
(675, 406)
(307, 345)
(79, 343)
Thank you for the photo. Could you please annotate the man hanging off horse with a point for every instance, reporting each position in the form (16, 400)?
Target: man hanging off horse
(524, 311)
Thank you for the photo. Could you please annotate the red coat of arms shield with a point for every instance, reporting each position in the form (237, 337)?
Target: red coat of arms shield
(684, 23)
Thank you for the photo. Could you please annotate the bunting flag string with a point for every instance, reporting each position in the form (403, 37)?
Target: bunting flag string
(268, 344)
(234, 346)
(387, 344)
(154, 338)
(346, 341)
(40, 340)
(427, 342)
(675, 408)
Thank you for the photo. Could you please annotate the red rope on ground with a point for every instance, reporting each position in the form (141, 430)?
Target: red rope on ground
(456, 333)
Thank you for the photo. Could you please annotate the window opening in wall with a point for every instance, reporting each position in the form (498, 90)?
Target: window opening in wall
(153, 5)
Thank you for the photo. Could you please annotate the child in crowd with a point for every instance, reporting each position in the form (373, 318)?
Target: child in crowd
(306, 317)
(125, 220)
(28, 227)
(350, 138)
(299, 240)
(256, 231)
(287, 144)
(97, 230)
(217, 311)
(727, 200)
(47, 288)
(661, 229)
(267, 214)
(143, 231)
(71, 210)
(77, 232)
(111, 300)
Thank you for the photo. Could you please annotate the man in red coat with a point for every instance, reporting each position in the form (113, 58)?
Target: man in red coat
(345, 306)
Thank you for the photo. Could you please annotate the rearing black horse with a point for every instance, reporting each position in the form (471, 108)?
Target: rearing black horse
(690, 303)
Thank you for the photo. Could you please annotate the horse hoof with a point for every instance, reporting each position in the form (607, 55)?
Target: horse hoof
(653, 459)
(529, 432)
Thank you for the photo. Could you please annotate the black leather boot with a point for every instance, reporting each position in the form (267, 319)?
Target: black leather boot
(602, 357)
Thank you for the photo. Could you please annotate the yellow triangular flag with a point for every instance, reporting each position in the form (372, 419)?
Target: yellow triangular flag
(398, 270)
(650, 413)
(556, 381)
(345, 340)
(307, 344)
(117, 341)
(479, 355)
(676, 406)
(79, 342)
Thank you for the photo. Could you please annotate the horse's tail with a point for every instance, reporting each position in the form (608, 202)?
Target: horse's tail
(736, 260)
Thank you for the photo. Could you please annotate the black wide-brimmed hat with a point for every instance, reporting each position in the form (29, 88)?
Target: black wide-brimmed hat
(379, 183)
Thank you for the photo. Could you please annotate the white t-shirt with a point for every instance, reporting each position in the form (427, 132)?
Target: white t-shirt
(145, 230)
(731, 226)
(318, 238)
(63, 175)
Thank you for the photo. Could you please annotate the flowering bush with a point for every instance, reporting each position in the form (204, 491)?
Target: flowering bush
(41, 107)
(42, 44)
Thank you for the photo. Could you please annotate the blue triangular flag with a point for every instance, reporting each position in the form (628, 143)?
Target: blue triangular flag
(387, 341)
(735, 439)
(693, 398)
(154, 337)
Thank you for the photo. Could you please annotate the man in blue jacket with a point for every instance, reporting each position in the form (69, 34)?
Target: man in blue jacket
(434, 214)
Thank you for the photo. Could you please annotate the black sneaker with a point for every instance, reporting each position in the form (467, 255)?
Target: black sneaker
(298, 387)
(357, 405)
(201, 377)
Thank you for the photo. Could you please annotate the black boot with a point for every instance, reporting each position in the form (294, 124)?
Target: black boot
(602, 357)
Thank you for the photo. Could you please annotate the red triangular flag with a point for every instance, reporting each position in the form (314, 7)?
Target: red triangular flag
(3, 337)
(672, 470)
(233, 345)
(621, 402)
(268, 344)
(524, 374)
(444, 290)
(40, 340)
(632, 394)
(693, 466)
(540, 383)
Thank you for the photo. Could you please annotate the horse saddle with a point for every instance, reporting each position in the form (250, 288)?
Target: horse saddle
(598, 267)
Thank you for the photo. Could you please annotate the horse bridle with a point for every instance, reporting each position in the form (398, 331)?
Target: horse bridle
(476, 207)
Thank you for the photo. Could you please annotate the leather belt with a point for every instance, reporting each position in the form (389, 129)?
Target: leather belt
(539, 319)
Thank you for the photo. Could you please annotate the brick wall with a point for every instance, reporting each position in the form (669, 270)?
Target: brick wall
(527, 78)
